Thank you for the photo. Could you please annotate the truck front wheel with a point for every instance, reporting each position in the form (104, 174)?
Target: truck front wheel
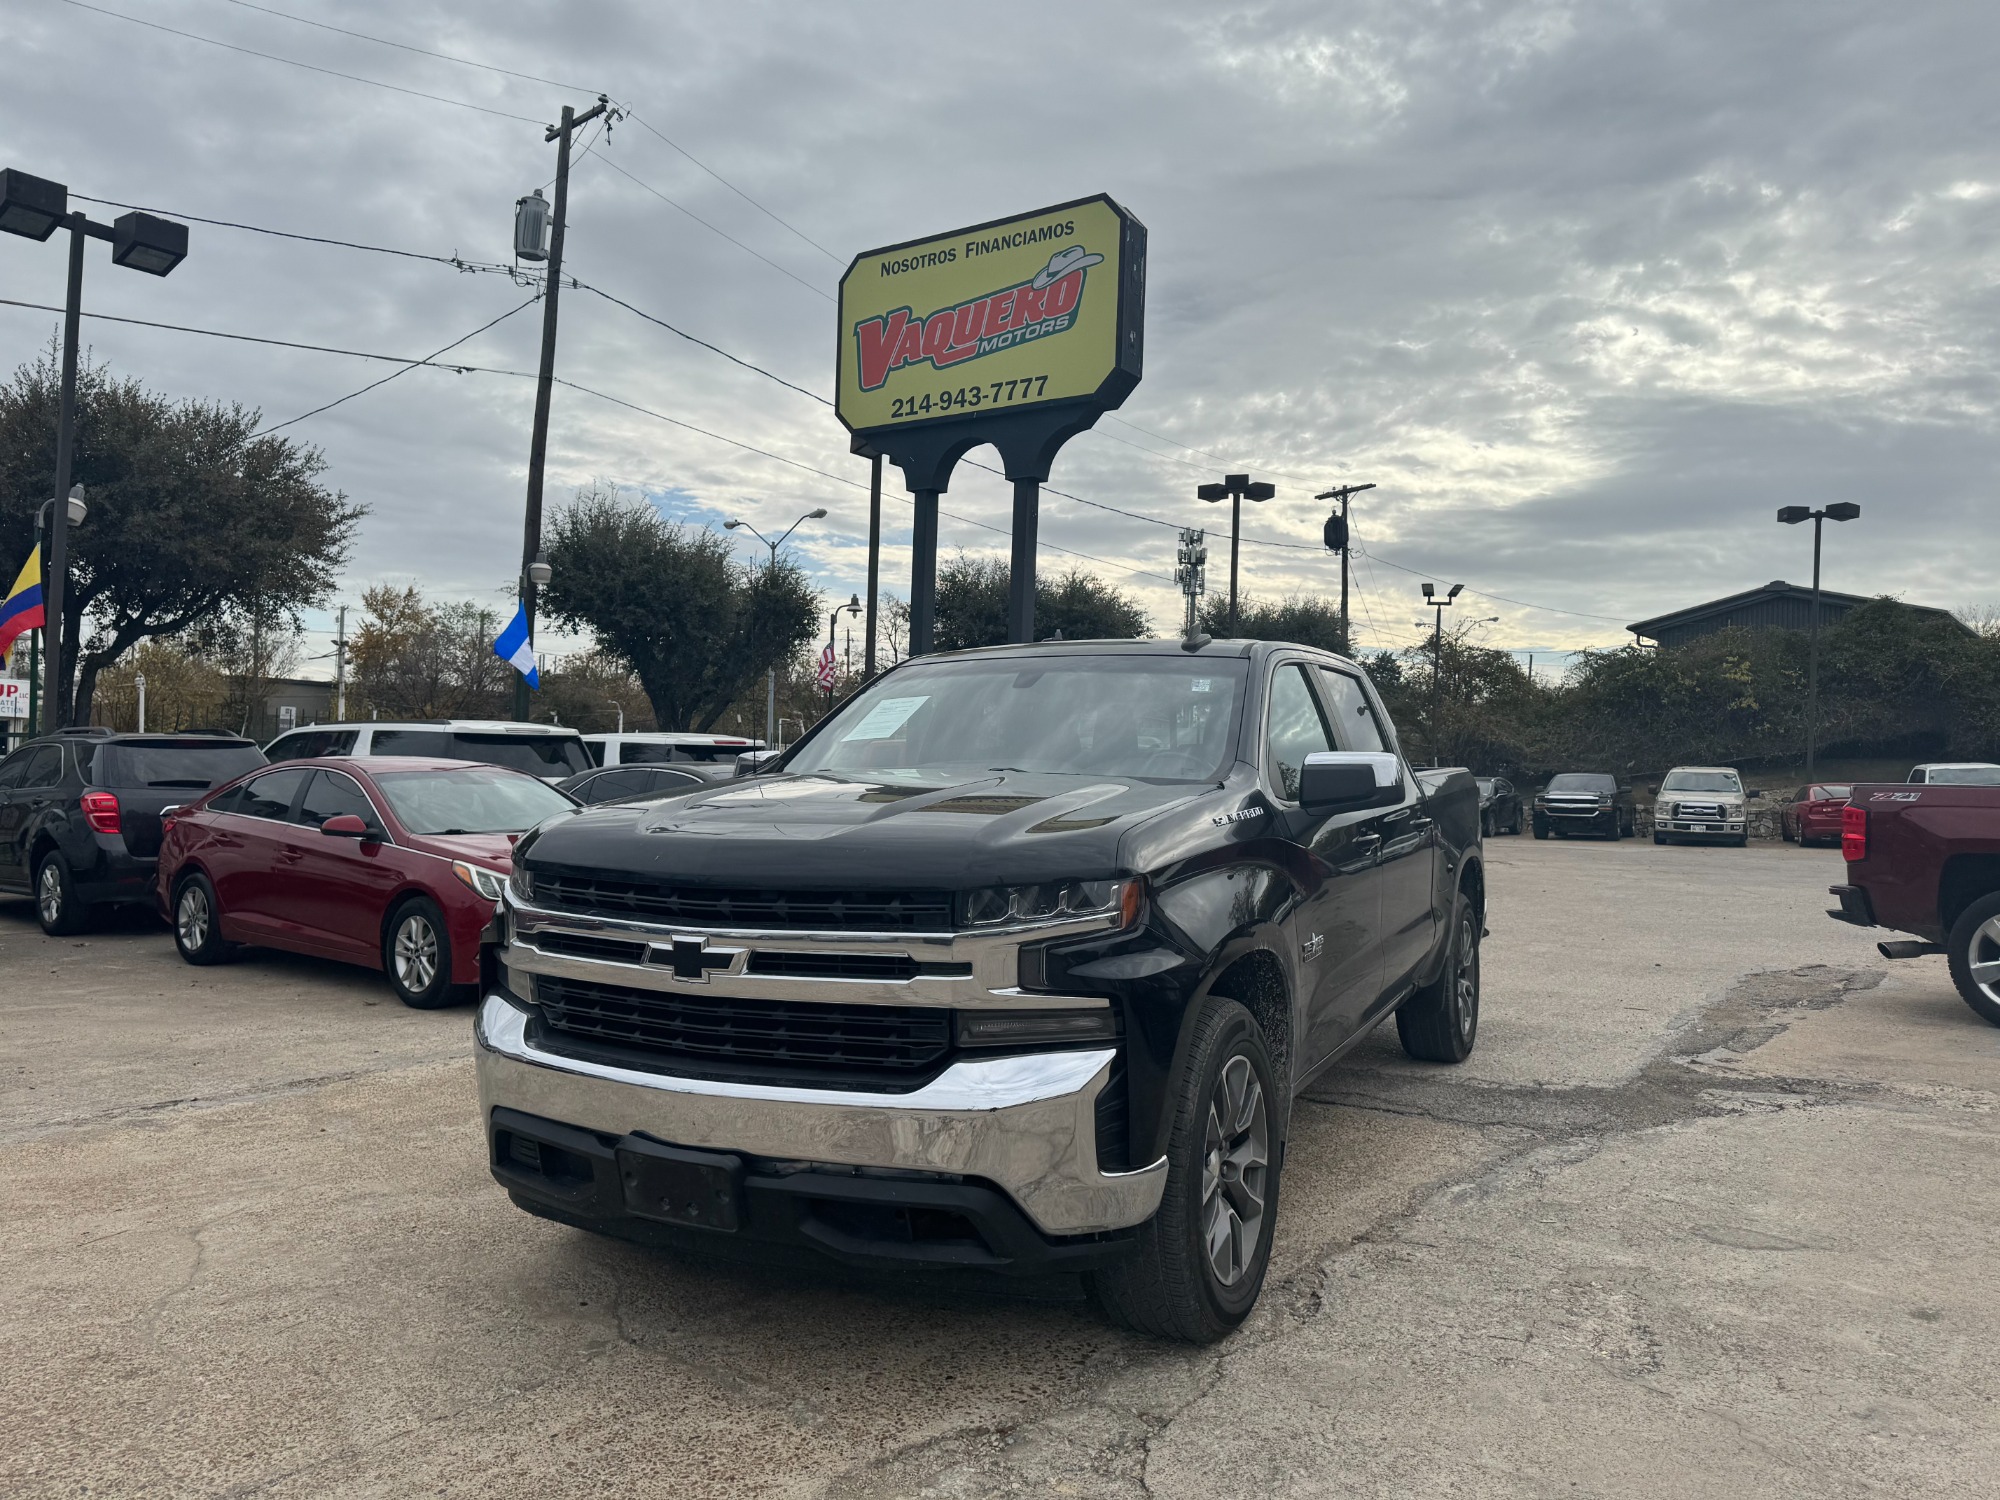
(1201, 1259)
(1541, 828)
(1973, 952)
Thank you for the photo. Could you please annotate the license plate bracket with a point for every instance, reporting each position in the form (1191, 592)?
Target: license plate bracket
(675, 1185)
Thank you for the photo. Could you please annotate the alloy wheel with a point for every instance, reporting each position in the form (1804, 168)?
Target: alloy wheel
(49, 894)
(1982, 959)
(1235, 1168)
(191, 919)
(416, 953)
(1465, 983)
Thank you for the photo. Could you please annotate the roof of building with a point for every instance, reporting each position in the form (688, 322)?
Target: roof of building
(1777, 588)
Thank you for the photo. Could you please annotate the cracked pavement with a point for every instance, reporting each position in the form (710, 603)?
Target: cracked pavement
(1708, 1213)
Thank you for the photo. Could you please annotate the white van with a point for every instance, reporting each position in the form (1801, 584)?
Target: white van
(550, 751)
(711, 755)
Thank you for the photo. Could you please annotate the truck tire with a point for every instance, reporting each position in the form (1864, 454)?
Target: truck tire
(1659, 838)
(1200, 1260)
(197, 922)
(1973, 952)
(56, 905)
(1541, 829)
(1440, 1022)
(416, 955)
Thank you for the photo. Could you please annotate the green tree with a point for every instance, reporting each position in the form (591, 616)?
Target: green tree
(972, 606)
(193, 517)
(670, 601)
(1303, 619)
(413, 659)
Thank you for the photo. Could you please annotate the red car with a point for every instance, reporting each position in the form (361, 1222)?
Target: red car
(389, 862)
(1813, 816)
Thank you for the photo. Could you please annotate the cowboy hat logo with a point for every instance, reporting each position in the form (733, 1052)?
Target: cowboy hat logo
(1045, 304)
(1074, 258)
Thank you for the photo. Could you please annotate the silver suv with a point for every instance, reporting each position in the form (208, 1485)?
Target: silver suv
(1701, 803)
(549, 751)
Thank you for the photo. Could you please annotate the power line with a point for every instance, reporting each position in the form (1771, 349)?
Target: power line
(1162, 437)
(816, 291)
(266, 432)
(737, 190)
(704, 343)
(251, 338)
(393, 88)
(469, 62)
(420, 51)
(458, 262)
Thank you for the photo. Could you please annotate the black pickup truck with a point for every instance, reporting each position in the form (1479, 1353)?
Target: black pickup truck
(1015, 962)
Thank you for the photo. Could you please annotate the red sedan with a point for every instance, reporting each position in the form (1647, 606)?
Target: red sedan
(387, 862)
(1813, 816)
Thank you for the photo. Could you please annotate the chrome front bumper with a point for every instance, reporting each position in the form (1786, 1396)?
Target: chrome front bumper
(1025, 1124)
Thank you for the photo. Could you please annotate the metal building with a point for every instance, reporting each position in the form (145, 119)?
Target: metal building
(1778, 605)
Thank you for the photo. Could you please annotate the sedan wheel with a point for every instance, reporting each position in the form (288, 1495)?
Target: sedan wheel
(197, 934)
(417, 955)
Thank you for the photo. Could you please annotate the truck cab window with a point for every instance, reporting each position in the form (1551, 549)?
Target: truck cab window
(1293, 729)
(1354, 725)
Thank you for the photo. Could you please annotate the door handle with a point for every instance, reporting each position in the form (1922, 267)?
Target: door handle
(1367, 840)
(291, 854)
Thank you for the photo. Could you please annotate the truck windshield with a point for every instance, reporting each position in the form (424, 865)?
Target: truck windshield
(1582, 781)
(1965, 775)
(1152, 718)
(1702, 781)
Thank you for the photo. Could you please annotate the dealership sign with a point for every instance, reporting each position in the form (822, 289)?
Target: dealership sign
(1039, 310)
(13, 698)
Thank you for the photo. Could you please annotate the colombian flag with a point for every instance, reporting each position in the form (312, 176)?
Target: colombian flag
(22, 608)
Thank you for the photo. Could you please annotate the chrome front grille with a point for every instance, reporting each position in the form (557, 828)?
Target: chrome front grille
(698, 906)
(692, 1031)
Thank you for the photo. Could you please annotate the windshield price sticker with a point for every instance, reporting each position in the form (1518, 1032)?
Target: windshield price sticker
(885, 719)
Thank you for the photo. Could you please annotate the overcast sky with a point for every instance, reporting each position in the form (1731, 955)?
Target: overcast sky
(1587, 290)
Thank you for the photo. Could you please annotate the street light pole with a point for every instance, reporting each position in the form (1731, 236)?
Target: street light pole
(1339, 537)
(771, 674)
(1791, 515)
(1438, 605)
(34, 208)
(1235, 488)
(538, 440)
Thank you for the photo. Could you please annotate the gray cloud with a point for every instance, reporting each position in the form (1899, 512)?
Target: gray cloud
(1588, 291)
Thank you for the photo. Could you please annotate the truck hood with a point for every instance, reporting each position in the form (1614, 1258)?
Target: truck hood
(828, 830)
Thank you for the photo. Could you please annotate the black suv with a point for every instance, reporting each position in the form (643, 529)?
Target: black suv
(80, 813)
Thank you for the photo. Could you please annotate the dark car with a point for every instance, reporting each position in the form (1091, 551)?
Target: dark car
(618, 783)
(389, 862)
(1585, 802)
(80, 813)
(1015, 962)
(1499, 806)
(1813, 814)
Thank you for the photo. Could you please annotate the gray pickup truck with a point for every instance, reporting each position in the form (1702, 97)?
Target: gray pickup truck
(1015, 962)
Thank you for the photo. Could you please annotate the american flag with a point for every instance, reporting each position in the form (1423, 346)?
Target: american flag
(826, 667)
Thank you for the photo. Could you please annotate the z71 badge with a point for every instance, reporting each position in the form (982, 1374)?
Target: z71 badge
(1241, 815)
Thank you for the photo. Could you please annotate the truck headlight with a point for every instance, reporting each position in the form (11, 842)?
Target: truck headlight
(488, 883)
(1052, 901)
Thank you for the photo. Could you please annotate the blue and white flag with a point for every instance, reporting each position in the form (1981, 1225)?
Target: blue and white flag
(516, 649)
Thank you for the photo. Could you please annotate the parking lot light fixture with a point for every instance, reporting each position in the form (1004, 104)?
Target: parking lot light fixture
(539, 571)
(1235, 488)
(34, 208)
(736, 523)
(1792, 515)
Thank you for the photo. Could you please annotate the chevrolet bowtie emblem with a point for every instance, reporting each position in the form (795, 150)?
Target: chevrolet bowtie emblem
(693, 960)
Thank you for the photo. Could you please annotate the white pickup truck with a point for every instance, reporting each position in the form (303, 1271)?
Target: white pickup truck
(1701, 803)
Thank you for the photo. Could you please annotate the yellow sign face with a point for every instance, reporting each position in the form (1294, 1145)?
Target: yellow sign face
(983, 321)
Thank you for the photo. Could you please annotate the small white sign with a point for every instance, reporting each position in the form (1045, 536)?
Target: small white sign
(288, 716)
(13, 698)
(883, 720)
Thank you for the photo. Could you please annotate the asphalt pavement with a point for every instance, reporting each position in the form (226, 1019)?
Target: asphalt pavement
(1709, 1212)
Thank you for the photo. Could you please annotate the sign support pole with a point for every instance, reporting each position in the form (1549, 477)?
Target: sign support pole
(874, 562)
(923, 573)
(1021, 580)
